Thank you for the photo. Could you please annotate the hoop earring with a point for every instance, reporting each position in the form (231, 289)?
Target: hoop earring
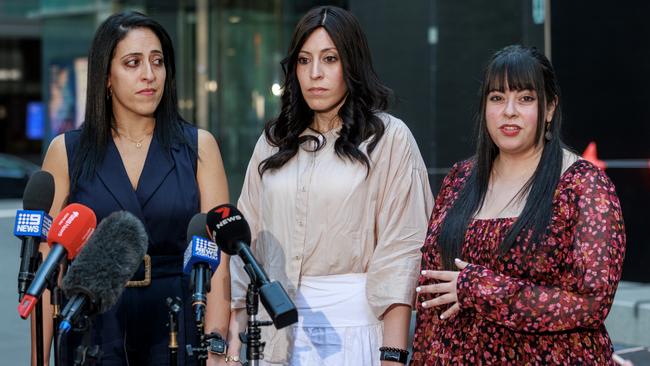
(548, 135)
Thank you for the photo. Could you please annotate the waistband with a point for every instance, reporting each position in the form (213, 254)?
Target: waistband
(161, 266)
(334, 301)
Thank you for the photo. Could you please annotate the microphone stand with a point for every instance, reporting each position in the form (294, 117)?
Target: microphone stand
(252, 337)
(38, 314)
(175, 305)
(200, 281)
(31, 259)
(55, 300)
(85, 353)
(38, 319)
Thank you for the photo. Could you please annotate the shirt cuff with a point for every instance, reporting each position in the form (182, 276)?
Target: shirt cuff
(467, 279)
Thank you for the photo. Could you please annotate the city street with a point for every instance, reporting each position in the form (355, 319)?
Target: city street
(14, 333)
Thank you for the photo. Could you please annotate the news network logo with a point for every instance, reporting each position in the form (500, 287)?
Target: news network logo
(201, 250)
(228, 220)
(32, 223)
(206, 248)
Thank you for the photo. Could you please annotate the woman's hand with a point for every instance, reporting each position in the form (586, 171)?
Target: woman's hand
(446, 288)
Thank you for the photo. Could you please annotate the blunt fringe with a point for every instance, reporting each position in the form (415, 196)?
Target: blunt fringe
(366, 94)
(517, 68)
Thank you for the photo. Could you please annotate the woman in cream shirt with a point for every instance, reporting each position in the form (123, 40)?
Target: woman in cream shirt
(338, 198)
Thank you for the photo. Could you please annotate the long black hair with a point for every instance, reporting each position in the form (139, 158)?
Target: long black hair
(97, 126)
(518, 68)
(366, 94)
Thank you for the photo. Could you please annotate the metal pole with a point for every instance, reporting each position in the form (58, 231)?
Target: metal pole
(547, 28)
(202, 27)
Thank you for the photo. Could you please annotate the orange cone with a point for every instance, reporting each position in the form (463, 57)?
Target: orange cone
(591, 155)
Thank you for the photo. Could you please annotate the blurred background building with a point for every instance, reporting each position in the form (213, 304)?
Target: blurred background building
(431, 52)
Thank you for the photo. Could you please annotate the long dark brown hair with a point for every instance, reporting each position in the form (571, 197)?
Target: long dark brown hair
(366, 94)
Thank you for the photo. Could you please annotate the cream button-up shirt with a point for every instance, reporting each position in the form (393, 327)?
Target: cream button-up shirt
(320, 214)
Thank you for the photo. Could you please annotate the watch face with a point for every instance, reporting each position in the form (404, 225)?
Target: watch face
(217, 346)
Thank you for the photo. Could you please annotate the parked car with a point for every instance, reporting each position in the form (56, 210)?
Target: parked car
(14, 174)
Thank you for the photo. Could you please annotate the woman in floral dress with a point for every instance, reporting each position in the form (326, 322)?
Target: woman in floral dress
(526, 241)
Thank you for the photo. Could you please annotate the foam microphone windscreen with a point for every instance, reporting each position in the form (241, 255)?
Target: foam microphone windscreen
(197, 226)
(72, 227)
(229, 228)
(109, 259)
(39, 192)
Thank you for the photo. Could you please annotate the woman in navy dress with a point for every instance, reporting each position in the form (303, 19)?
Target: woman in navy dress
(135, 153)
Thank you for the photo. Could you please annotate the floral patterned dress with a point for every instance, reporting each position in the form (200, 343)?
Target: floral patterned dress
(541, 303)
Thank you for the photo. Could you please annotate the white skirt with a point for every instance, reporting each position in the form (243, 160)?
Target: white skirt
(336, 326)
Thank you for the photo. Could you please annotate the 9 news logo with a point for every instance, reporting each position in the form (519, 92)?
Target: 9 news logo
(207, 248)
(32, 223)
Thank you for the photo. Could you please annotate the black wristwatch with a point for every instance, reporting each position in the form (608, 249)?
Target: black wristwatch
(216, 344)
(393, 354)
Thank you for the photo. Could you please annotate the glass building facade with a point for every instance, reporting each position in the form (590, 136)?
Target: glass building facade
(228, 58)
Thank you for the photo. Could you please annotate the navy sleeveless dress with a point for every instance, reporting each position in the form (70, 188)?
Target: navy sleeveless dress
(134, 331)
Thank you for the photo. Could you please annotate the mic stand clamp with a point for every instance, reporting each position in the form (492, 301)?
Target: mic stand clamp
(175, 305)
(85, 353)
(200, 351)
(252, 337)
(209, 343)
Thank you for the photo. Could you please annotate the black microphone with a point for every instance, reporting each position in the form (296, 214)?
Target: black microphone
(232, 234)
(96, 279)
(201, 259)
(32, 225)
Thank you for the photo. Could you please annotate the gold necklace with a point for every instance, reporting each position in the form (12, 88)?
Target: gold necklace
(138, 143)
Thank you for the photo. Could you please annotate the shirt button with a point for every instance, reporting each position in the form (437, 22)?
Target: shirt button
(303, 189)
(296, 257)
(300, 222)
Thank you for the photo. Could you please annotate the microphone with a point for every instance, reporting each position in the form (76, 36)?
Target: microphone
(96, 278)
(32, 225)
(232, 234)
(201, 259)
(70, 230)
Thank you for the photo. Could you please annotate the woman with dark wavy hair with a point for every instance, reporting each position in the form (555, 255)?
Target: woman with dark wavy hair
(526, 241)
(135, 152)
(337, 196)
